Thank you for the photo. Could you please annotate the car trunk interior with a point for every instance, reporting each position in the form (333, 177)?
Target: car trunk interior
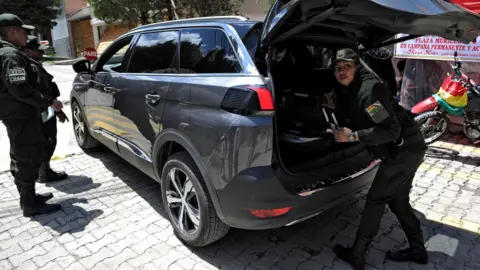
(302, 76)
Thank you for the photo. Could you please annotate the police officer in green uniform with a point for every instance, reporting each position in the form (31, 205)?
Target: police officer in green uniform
(35, 51)
(376, 120)
(20, 105)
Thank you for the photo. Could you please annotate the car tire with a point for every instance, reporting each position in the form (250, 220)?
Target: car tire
(197, 206)
(80, 129)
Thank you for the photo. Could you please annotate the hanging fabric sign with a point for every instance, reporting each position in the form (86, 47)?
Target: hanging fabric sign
(437, 48)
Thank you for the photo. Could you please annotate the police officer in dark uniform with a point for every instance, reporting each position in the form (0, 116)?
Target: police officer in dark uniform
(20, 105)
(35, 51)
(375, 119)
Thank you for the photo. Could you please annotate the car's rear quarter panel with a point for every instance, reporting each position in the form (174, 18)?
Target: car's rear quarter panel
(227, 143)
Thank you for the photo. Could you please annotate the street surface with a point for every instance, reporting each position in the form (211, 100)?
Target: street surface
(63, 76)
(113, 219)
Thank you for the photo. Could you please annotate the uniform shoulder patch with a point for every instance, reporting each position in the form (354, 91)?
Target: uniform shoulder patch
(17, 75)
(377, 112)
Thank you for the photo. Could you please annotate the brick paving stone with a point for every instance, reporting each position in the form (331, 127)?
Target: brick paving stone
(65, 261)
(90, 261)
(120, 258)
(6, 265)
(54, 251)
(111, 221)
(17, 260)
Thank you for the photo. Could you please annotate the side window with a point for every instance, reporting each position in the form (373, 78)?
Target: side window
(112, 60)
(207, 51)
(251, 41)
(155, 53)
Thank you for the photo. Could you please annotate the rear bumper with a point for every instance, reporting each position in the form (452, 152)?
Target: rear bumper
(259, 188)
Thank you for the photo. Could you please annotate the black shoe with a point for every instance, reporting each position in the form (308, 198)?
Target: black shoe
(409, 255)
(40, 209)
(355, 255)
(347, 255)
(51, 177)
(43, 198)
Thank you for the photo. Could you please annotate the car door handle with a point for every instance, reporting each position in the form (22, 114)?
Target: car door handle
(152, 97)
(109, 89)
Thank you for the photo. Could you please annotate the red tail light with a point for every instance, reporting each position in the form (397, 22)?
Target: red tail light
(266, 213)
(265, 98)
(246, 100)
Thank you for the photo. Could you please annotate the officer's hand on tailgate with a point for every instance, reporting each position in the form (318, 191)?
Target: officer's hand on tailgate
(62, 117)
(57, 105)
(342, 134)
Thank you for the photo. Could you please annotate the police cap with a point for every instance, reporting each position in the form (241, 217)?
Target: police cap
(345, 54)
(8, 19)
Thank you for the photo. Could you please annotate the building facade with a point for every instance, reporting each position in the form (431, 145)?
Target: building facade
(77, 28)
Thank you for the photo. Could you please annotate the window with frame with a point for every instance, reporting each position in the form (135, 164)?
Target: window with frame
(155, 52)
(207, 50)
(114, 58)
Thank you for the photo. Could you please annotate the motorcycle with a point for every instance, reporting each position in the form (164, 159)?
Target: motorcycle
(458, 96)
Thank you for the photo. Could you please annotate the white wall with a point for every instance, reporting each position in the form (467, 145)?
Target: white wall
(255, 9)
(60, 35)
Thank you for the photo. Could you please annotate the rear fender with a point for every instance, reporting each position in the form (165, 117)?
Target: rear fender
(177, 137)
(426, 105)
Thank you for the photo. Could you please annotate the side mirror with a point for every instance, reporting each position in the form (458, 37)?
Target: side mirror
(82, 66)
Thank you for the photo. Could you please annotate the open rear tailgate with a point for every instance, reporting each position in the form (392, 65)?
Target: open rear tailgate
(370, 21)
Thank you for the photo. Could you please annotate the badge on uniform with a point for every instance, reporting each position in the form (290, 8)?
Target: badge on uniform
(17, 75)
(377, 112)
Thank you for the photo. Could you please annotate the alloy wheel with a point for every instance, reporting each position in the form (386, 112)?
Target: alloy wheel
(182, 201)
(78, 125)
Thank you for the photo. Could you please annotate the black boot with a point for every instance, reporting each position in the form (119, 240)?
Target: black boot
(415, 253)
(355, 255)
(47, 175)
(32, 207)
(43, 198)
(40, 198)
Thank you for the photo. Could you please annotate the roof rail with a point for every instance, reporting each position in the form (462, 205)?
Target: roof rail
(199, 19)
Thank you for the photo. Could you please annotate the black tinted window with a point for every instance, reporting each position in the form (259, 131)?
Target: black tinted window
(207, 51)
(113, 59)
(155, 53)
(252, 40)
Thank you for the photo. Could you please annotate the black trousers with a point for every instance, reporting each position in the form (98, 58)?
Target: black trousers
(27, 151)
(392, 186)
(50, 131)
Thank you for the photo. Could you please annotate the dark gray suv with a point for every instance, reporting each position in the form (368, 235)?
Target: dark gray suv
(228, 114)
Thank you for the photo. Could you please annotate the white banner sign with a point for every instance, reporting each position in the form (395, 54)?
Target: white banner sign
(437, 48)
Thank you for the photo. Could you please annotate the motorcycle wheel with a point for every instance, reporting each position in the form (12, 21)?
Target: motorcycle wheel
(432, 133)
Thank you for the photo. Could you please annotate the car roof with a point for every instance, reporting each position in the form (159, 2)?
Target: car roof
(194, 22)
(199, 21)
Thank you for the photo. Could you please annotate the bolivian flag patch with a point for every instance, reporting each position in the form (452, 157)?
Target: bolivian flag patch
(377, 112)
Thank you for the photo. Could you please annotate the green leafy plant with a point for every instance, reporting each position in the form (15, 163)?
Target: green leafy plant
(41, 13)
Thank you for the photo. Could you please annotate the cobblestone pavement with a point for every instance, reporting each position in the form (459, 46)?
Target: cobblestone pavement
(113, 219)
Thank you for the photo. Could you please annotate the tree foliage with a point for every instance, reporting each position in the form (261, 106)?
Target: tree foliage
(148, 11)
(201, 8)
(129, 11)
(34, 12)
